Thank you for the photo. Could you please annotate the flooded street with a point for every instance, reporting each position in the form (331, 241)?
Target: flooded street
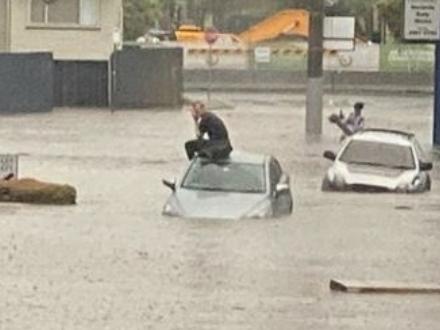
(114, 262)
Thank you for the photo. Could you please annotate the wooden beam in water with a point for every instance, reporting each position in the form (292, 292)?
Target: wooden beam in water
(383, 287)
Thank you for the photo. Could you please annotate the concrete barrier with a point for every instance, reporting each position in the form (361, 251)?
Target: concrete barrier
(258, 80)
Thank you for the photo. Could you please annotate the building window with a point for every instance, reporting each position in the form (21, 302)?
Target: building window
(58, 12)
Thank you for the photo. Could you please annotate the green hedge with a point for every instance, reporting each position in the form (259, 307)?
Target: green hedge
(407, 57)
(394, 57)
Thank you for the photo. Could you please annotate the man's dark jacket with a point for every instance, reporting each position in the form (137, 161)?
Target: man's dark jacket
(218, 145)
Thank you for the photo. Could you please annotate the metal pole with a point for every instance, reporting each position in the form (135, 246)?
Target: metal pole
(436, 129)
(112, 79)
(314, 69)
(210, 64)
(46, 13)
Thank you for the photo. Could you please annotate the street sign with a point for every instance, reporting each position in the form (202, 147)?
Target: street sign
(422, 23)
(262, 54)
(422, 20)
(211, 35)
(339, 27)
(8, 165)
(339, 32)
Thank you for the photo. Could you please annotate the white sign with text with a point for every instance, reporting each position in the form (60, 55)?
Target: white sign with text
(422, 20)
(262, 54)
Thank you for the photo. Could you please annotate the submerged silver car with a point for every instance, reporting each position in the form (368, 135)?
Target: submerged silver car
(379, 160)
(242, 186)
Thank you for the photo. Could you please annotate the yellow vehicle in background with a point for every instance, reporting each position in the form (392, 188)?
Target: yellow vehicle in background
(189, 33)
(289, 22)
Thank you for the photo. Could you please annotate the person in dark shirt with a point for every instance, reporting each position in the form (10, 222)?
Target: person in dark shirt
(212, 136)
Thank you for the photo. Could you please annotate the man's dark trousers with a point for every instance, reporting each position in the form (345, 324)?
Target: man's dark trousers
(210, 149)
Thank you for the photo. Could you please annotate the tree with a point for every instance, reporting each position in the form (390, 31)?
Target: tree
(391, 12)
(299, 4)
(139, 15)
(360, 9)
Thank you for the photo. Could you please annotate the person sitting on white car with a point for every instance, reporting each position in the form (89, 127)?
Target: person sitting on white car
(355, 122)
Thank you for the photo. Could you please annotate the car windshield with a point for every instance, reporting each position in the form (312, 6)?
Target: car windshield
(378, 154)
(225, 176)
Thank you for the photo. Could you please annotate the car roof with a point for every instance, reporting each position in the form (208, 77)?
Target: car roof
(385, 136)
(246, 157)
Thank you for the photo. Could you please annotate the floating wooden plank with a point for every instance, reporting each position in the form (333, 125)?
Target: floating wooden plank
(383, 287)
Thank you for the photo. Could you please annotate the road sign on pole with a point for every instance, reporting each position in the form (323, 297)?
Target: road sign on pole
(422, 24)
(422, 20)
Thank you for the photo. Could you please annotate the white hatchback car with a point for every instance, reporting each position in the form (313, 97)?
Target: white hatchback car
(379, 160)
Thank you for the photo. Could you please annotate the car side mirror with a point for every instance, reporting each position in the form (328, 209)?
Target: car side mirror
(425, 166)
(329, 155)
(170, 184)
(283, 185)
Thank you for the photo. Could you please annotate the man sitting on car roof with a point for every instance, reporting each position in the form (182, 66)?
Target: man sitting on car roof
(212, 136)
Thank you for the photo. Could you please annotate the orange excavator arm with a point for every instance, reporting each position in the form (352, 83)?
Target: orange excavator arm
(286, 22)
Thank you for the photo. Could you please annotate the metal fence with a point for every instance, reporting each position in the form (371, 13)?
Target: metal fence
(8, 165)
(143, 78)
(81, 83)
(26, 82)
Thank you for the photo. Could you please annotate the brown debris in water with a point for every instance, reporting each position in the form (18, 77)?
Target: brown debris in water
(36, 192)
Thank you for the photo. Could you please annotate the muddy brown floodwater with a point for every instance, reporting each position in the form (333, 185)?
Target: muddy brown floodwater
(114, 262)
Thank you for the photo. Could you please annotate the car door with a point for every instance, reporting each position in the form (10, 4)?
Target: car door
(422, 157)
(281, 201)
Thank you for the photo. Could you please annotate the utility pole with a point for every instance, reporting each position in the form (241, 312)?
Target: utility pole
(437, 96)
(314, 69)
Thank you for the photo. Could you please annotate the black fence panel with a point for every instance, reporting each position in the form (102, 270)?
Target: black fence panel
(81, 83)
(150, 77)
(26, 82)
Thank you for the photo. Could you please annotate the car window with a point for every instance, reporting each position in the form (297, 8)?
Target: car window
(225, 176)
(275, 172)
(378, 154)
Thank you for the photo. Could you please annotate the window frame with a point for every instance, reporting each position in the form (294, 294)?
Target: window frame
(275, 173)
(63, 26)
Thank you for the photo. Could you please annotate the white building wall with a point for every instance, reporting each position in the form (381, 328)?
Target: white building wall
(67, 42)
